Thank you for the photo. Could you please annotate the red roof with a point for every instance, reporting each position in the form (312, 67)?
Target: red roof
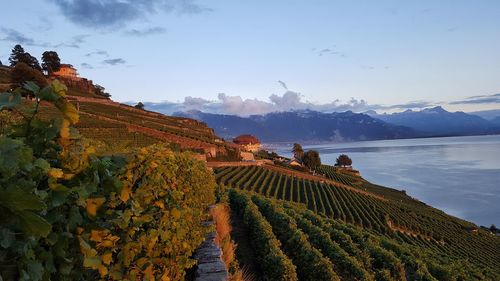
(246, 139)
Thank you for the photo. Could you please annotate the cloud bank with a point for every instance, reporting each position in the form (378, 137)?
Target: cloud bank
(287, 101)
(118, 13)
(483, 99)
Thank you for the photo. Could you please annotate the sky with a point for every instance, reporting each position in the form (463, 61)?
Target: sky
(254, 57)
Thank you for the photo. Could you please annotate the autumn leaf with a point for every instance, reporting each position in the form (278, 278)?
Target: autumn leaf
(93, 205)
(107, 258)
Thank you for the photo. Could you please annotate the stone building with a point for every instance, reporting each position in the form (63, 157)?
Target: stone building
(248, 143)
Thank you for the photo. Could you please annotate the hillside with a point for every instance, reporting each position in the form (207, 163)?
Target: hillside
(116, 127)
(304, 125)
(137, 213)
(361, 229)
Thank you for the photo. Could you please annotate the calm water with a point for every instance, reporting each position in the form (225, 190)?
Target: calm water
(459, 175)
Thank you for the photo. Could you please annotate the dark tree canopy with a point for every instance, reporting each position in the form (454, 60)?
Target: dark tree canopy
(139, 105)
(100, 90)
(21, 73)
(298, 151)
(344, 160)
(51, 62)
(19, 55)
(311, 159)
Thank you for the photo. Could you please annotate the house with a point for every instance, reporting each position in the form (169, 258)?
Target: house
(248, 143)
(294, 162)
(67, 71)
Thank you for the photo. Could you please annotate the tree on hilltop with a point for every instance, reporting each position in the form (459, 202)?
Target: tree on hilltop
(22, 73)
(139, 105)
(101, 91)
(311, 159)
(19, 55)
(50, 62)
(344, 160)
(298, 151)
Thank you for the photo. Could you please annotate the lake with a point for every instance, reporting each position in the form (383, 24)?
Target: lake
(459, 175)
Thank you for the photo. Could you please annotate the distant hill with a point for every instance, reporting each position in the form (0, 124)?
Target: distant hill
(304, 125)
(437, 121)
(487, 114)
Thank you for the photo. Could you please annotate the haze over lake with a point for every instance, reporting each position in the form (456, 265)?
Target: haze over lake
(459, 175)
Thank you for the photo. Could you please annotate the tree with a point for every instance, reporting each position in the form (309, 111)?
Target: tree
(493, 228)
(21, 73)
(311, 159)
(139, 105)
(101, 91)
(19, 55)
(344, 160)
(50, 62)
(298, 151)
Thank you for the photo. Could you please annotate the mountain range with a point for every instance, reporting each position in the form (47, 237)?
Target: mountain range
(314, 126)
(437, 121)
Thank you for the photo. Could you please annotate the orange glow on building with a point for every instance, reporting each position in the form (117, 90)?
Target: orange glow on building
(67, 71)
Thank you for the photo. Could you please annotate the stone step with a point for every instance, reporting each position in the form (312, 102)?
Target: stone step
(209, 257)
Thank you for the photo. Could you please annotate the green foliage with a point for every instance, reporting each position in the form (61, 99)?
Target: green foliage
(18, 55)
(275, 265)
(66, 214)
(343, 160)
(298, 151)
(50, 62)
(310, 262)
(22, 72)
(311, 159)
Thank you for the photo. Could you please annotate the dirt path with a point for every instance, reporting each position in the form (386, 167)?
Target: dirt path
(244, 251)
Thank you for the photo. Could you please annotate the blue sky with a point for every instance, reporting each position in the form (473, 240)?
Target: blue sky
(228, 56)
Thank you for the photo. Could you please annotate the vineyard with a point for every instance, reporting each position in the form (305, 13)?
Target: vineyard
(67, 213)
(407, 221)
(322, 248)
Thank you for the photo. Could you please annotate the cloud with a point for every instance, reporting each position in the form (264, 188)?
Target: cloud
(283, 84)
(17, 37)
(146, 32)
(287, 101)
(87, 66)
(114, 62)
(328, 51)
(74, 42)
(97, 53)
(483, 99)
(117, 13)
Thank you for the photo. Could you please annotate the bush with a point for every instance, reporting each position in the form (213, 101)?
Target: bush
(21, 73)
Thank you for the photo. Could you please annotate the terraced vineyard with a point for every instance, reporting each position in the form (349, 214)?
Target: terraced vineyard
(397, 217)
(332, 173)
(323, 248)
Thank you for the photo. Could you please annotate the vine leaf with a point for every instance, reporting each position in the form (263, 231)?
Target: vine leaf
(8, 100)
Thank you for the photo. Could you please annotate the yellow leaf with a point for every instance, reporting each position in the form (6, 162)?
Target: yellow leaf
(59, 88)
(103, 270)
(106, 244)
(165, 277)
(56, 173)
(176, 214)
(70, 112)
(64, 132)
(93, 205)
(96, 235)
(125, 194)
(160, 204)
(148, 273)
(107, 258)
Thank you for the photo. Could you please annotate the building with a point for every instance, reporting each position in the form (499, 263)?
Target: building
(67, 71)
(248, 143)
